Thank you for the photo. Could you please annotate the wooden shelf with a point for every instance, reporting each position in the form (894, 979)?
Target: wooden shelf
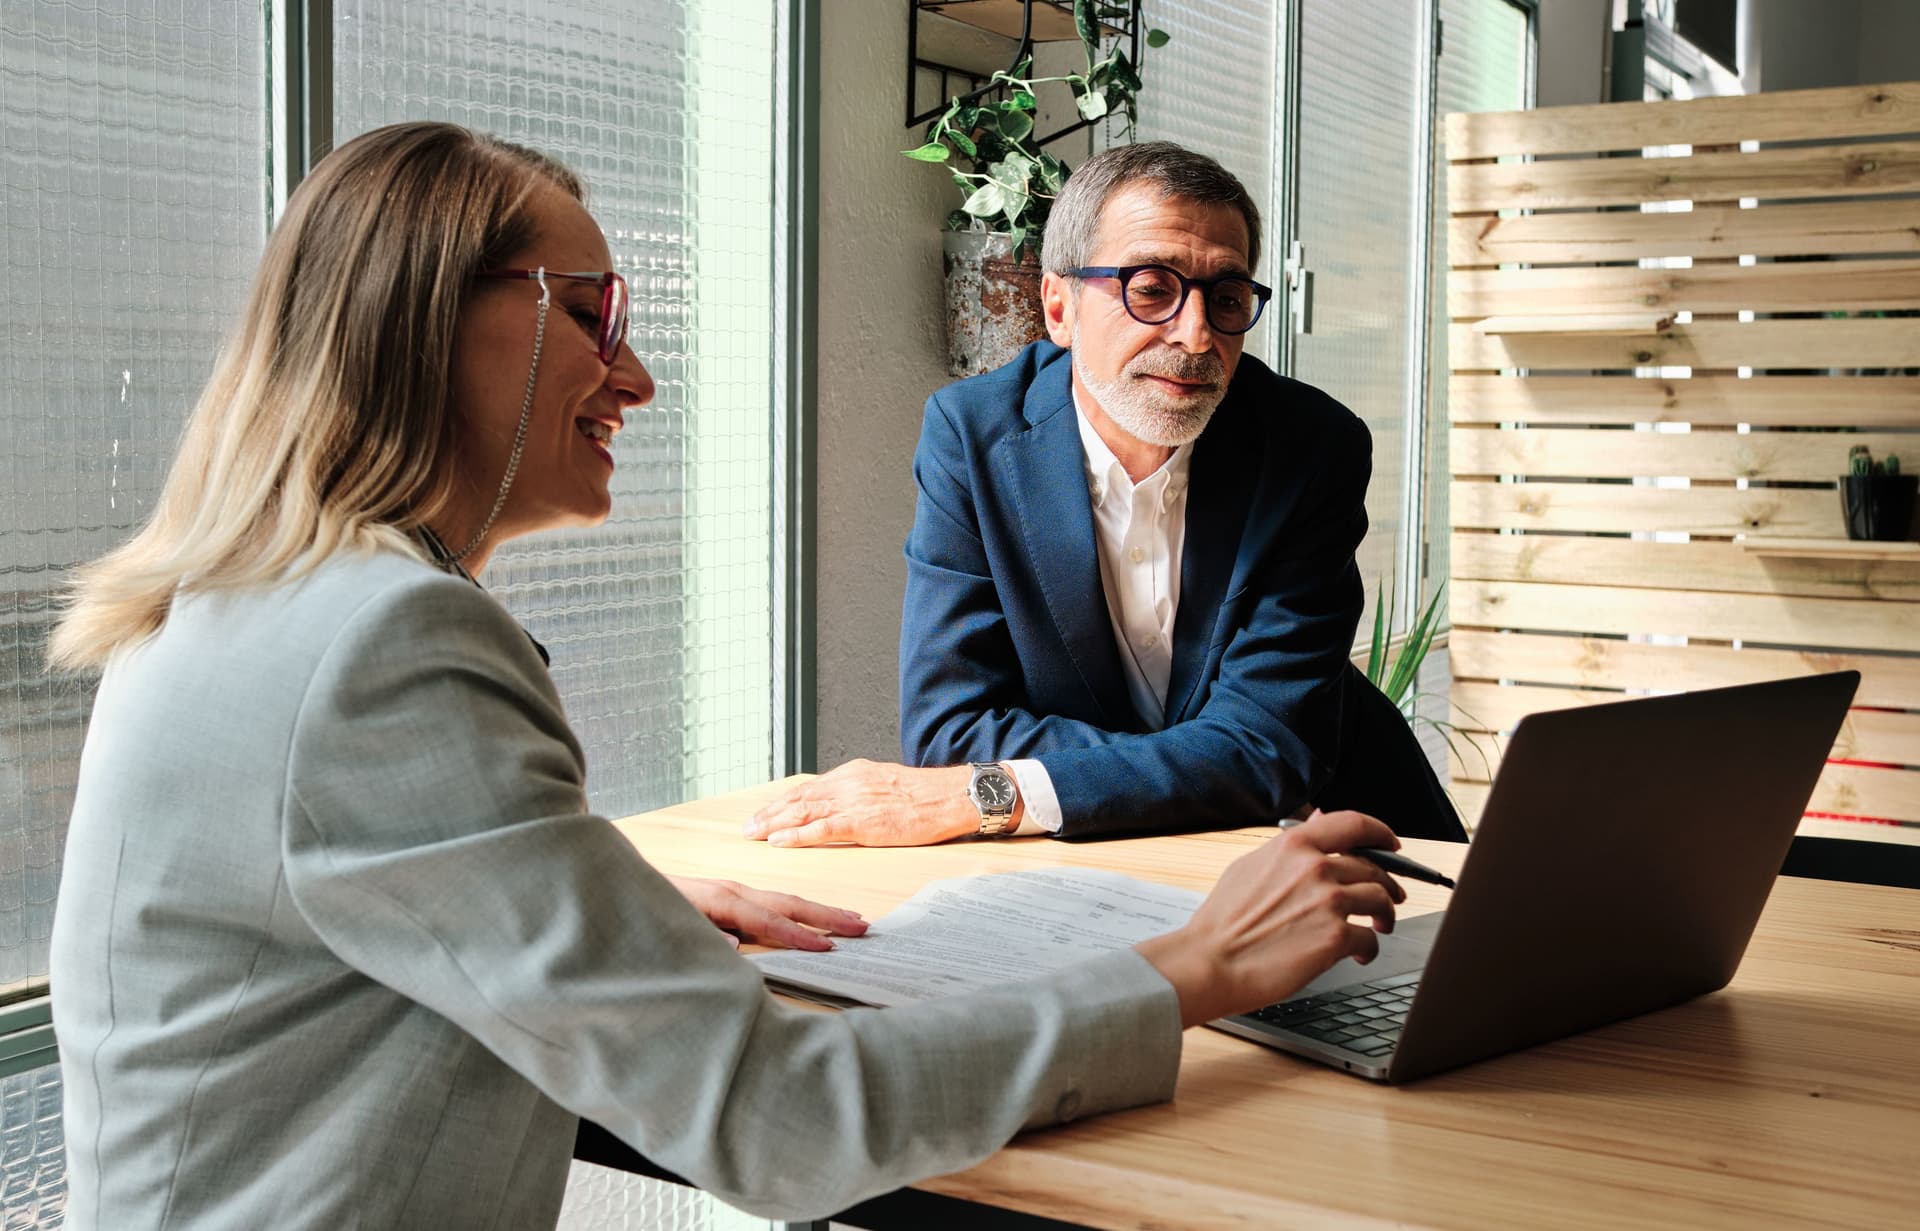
(1051, 24)
(1832, 549)
(1594, 325)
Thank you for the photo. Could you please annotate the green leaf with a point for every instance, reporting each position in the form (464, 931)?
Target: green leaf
(958, 220)
(1123, 73)
(987, 200)
(1015, 169)
(1023, 100)
(1157, 38)
(1377, 651)
(1053, 173)
(1019, 234)
(1406, 670)
(1016, 125)
(1088, 26)
(964, 143)
(1092, 106)
(932, 151)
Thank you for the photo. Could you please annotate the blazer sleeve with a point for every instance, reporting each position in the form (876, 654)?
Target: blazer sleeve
(1268, 736)
(437, 839)
(962, 695)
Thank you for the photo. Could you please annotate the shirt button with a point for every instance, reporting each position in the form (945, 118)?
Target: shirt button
(1137, 555)
(1099, 494)
(1151, 640)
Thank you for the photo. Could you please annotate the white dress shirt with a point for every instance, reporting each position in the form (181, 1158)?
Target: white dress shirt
(1140, 530)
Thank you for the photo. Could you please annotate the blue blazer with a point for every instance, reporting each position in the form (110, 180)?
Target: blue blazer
(1006, 645)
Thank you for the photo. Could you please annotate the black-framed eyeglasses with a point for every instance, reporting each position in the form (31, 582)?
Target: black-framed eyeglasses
(611, 329)
(1154, 295)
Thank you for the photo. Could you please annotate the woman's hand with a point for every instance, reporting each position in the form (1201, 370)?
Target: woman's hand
(765, 918)
(1277, 919)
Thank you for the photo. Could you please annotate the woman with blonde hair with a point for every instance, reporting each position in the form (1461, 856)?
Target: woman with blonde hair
(339, 943)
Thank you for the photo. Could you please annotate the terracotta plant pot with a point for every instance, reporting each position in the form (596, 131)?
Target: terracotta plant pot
(1878, 506)
(993, 302)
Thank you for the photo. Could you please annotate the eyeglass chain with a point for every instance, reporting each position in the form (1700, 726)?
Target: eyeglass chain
(520, 434)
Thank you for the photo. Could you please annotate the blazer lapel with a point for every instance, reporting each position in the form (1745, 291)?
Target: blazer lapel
(1043, 472)
(1220, 486)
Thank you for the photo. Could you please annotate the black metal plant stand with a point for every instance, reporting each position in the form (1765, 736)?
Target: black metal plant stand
(1023, 22)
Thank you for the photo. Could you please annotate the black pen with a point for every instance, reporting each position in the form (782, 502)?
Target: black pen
(1391, 861)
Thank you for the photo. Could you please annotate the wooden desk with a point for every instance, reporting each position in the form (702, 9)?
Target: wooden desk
(1792, 1098)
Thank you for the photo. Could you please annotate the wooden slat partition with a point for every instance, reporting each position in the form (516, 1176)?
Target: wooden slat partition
(1600, 548)
(1714, 401)
(1720, 231)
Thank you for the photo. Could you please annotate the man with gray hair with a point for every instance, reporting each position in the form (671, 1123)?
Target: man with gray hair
(1131, 590)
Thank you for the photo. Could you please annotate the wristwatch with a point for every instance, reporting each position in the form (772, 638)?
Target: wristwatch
(992, 790)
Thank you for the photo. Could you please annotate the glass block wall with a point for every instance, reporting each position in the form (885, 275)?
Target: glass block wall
(134, 178)
(33, 1168)
(660, 621)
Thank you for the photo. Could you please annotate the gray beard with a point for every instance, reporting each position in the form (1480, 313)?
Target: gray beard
(1144, 412)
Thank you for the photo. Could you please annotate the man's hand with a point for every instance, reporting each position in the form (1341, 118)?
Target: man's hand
(871, 803)
(765, 918)
(1277, 919)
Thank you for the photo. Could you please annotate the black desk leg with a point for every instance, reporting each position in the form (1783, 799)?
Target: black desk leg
(904, 1208)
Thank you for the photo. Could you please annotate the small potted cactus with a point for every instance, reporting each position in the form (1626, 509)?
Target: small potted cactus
(1876, 498)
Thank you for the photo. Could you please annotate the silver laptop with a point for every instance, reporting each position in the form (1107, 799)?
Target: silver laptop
(1619, 867)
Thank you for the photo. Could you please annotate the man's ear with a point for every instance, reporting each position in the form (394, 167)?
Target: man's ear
(1056, 305)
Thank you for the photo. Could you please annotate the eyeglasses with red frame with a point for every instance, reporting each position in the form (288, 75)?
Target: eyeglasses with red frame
(614, 300)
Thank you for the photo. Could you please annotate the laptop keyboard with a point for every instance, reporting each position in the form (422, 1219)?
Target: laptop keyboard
(1362, 1017)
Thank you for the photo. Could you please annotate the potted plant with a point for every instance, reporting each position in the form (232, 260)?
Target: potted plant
(1876, 499)
(1399, 678)
(987, 141)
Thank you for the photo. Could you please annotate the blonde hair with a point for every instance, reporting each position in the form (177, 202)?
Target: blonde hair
(326, 425)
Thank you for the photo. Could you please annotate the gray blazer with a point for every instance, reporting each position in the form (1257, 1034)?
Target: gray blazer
(338, 945)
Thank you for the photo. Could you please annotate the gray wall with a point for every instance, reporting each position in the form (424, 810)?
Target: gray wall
(1808, 44)
(1574, 36)
(882, 343)
(1816, 44)
(881, 354)
(1889, 41)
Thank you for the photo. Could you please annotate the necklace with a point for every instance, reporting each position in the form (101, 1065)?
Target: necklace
(520, 434)
(447, 562)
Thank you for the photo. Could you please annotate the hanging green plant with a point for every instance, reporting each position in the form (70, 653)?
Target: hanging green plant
(987, 140)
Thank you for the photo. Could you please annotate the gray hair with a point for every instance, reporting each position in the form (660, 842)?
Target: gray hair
(1074, 222)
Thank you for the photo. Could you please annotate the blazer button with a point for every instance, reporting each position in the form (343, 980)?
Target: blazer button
(1068, 1107)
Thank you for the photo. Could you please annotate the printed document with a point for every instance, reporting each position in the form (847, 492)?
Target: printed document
(957, 936)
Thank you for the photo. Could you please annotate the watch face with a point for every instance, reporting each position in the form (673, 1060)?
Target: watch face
(994, 791)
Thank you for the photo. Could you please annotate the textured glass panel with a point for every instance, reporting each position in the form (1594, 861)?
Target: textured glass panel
(660, 621)
(1482, 67)
(602, 1199)
(1211, 89)
(33, 1161)
(134, 177)
(1361, 119)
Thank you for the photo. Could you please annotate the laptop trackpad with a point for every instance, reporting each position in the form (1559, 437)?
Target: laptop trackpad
(1402, 952)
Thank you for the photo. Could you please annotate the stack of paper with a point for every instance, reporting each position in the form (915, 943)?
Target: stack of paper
(957, 936)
